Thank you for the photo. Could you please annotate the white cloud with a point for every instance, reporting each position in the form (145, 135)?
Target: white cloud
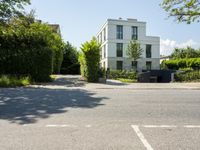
(167, 46)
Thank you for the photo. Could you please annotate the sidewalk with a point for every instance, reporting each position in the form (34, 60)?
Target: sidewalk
(113, 84)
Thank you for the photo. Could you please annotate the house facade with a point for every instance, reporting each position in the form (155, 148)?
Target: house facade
(115, 36)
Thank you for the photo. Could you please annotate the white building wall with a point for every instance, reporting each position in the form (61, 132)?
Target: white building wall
(111, 41)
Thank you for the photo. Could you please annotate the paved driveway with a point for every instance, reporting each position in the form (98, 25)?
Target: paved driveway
(72, 115)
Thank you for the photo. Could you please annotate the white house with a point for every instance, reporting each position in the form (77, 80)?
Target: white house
(115, 36)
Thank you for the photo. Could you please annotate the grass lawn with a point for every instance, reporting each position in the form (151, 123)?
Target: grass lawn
(124, 80)
(13, 81)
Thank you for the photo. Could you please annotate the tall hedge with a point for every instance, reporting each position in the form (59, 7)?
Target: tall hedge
(29, 49)
(89, 60)
(193, 63)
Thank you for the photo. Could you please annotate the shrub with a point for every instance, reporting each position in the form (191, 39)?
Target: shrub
(89, 60)
(188, 76)
(102, 73)
(13, 81)
(181, 63)
(115, 74)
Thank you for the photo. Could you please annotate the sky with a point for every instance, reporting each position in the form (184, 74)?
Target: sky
(80, 20)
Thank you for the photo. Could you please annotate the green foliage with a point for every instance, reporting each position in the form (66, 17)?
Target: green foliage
(13, 81)
(102, 73)
(187, 76)
(89, 59)
(193, 63)
(183, 10)
(115, 74)
(134, 50)
(29, 48)
(127, 80)
(180, 53)
(70, 64)
(11, 8)
(57, 46)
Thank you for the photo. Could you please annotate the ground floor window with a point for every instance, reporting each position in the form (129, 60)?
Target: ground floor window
(148, 65)
(134, 65)
(119, 65)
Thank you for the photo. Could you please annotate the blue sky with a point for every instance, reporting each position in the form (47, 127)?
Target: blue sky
(81, 19)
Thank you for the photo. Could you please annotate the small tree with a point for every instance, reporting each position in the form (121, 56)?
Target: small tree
(134, 51)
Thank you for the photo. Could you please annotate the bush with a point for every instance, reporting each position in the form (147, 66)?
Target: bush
(89, 60)
(102, 73)
(115, 74)
(30, 49)
(188, 76)
(13, 81)
(193, 63)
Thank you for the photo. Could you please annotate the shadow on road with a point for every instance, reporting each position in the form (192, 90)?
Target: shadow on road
(27, 105)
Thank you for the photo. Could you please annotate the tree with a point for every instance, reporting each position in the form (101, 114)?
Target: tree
(134, 51)
(183, 10)
(89, 60)
(70, 64)
(188, 52)
(11, 8)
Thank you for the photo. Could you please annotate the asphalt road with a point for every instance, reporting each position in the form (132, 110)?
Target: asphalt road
(71, 115)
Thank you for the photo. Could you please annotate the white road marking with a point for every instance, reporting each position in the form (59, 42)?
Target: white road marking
(159, 126)
(141, 137)
(191, 126)
(58, 126)
(25, 125)
(88, 126)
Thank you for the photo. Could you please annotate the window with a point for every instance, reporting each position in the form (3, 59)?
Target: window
(101, 54)
(148, 51)
(134, 65)
(100, 38)
(119, 65)
(104, 51)
(134, 33)
(119, 49)
(148, 65)
(119, 32)
(104, 37)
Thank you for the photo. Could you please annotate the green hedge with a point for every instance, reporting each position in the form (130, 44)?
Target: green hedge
(89, 60)
(30, 50)
(115, 74)
(187, 76)
(181, 63)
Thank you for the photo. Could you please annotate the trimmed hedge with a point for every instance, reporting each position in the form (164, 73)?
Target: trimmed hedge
(187, 76)
(115, 74)
(193, 63)
(30, 50)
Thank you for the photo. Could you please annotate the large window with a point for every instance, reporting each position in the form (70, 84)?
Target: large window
(119, 32)
(119, 49)
(104, 34)
(148, 51)
(148, 65)
(104, 51)
(134, 33)
(119, 65)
